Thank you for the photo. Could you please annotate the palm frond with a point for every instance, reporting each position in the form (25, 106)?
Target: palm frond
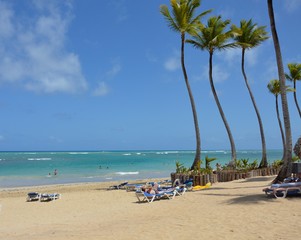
(249, 35)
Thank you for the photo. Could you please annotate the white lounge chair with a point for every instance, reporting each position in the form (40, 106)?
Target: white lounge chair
(49, 197)
(144, 196)
(282, 189)
(33, 196)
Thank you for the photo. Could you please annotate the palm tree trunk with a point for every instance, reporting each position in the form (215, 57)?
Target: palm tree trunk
(296, 101)
(286, 169)
(197, 157)
(233, 150)
(281, 128)
(264, 161)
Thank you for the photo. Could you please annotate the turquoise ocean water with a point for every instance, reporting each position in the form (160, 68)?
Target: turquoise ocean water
(37, 168)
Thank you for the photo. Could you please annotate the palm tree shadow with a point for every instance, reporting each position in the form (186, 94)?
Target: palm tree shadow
(250, 199)
(244, 199)
(260, 179)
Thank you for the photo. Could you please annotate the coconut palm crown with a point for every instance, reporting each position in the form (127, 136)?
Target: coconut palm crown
(182, 16)
(212, 37)
(249, 35)
(293, 76)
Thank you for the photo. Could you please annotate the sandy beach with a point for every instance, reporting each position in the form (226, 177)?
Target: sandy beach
(232, 210)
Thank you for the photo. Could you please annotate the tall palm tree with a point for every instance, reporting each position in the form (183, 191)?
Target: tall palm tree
(214, 37)
(297, 148)
(249, 36)
(293, 76)
(182, 19)
(286, 169)
(274, 88)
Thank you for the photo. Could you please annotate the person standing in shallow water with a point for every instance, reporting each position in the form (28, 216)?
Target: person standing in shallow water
(55, 172)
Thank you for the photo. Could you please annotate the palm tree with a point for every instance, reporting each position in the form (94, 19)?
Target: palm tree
(297, 148)
(294, 76)
(248, 36)
(182, 19)
(287, 161)
(213, 37)
(274, 88)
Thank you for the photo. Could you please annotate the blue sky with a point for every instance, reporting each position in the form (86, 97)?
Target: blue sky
(105, 75)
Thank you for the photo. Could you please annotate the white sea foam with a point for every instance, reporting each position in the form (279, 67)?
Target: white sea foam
(127, 173)
(76, 153)
(127, 154)
(90, 177)
(159, 153)
(38, 159)
(167, 152)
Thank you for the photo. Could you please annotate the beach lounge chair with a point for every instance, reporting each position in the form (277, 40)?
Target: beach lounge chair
(145, 196)
(120, 186)
(282, 189)
(33, 196)
(45, 197)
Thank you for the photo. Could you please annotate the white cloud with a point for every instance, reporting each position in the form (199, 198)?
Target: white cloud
(231, 56)
(219, 72)
(116, 68)
(150, 57)
(292, 5)
(6, 27)
(34, 55)
(55, 139)
(101, 90)
(172, 64)
(121, 10)
(251, 56)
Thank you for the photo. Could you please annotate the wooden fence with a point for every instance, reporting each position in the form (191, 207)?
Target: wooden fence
(223, 175)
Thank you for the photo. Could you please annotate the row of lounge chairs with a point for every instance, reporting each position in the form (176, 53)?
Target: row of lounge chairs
(42, 197)
(163, 190)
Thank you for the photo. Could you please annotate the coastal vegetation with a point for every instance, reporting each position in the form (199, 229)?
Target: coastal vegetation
(217, 35)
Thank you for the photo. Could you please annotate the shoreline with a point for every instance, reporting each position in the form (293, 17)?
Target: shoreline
(75, 185)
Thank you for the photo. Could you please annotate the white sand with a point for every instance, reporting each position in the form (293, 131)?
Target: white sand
(233, 210)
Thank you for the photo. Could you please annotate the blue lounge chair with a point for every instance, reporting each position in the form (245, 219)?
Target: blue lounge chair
(283, 189)
(145, 196)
